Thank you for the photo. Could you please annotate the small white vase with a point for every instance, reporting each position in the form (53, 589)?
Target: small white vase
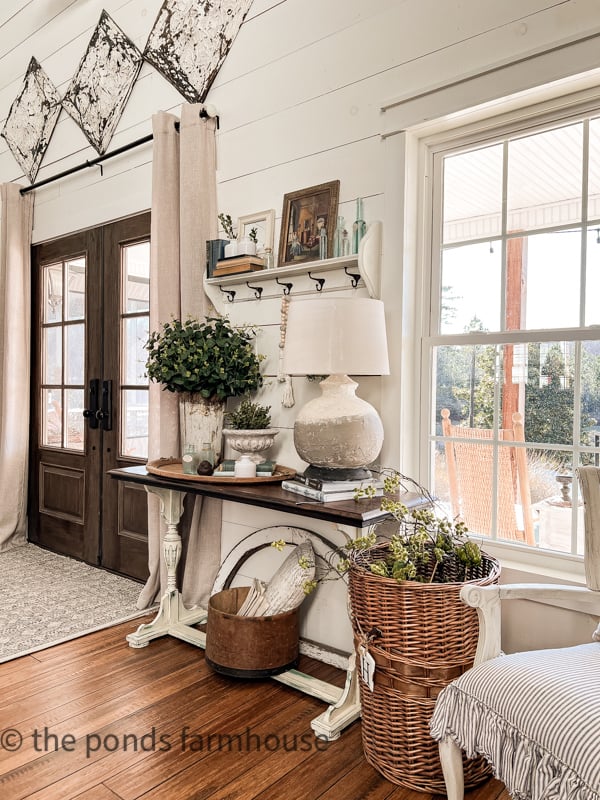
(252, 443)
(246, 247)
(201, 422)
(231, 249)
(245, 467)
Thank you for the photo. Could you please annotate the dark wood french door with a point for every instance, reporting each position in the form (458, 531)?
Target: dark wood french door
(89, 405)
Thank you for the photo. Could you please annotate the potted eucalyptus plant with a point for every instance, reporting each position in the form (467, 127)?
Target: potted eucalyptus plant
(248, 429)
(205, 362)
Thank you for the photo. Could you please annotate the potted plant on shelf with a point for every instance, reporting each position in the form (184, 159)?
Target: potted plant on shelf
(412, 632)
(205, 362)
(248, 430)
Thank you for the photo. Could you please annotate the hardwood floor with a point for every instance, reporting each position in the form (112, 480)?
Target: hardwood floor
(93, 719)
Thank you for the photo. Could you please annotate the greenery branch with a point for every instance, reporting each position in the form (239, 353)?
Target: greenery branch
(420, 548)
(227, 225)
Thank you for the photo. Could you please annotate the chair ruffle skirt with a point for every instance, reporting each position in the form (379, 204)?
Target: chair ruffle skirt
(534, 717)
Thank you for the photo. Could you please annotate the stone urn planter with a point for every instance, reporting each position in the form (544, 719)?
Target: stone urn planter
(253, 443)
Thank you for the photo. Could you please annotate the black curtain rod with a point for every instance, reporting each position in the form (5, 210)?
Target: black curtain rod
(95, 161)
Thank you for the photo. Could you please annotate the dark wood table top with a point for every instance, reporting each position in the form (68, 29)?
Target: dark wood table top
(359, 514)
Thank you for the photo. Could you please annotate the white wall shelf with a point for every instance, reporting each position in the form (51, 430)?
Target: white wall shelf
(366, 266)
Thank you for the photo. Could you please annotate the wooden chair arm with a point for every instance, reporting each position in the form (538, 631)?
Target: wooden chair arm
(486, 599)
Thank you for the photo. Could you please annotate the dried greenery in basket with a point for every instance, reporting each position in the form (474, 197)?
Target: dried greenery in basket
(426, 546)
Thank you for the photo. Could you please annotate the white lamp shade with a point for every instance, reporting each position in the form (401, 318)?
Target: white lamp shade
(327, 336)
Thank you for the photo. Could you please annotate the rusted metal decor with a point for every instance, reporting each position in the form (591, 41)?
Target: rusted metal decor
(249, 647)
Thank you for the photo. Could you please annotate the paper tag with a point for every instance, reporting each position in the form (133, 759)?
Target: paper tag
(367, 666)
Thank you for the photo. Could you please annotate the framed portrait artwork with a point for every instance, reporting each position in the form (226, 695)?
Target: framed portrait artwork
(305, 212)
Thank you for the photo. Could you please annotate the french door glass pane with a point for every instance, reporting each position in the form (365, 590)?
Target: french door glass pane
(135, 335)
(134, 423)
(473, 195)
(544, 179)
(52, 417)
(63, 354)
(74, 419)
(74, 354)
(464, 307)
(53, 293)
(76, 288)
(52, 355)
(136, 278)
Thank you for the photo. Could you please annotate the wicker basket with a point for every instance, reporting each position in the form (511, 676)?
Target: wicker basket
(425, 636)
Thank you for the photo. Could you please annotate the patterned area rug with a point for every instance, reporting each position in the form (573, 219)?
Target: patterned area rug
(46, 599)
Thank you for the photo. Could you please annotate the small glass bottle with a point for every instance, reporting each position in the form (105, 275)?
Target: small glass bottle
(323, 243)
(360, 226)
(338, 238)
(345, 243)
(268, 258)
(189, 460)
(206, 454)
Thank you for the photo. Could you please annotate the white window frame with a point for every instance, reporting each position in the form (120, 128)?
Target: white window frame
(560, 104)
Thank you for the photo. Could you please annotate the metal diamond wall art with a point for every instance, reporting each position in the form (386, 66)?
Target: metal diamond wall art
(97, 94)
(31, 119)
(190, 40)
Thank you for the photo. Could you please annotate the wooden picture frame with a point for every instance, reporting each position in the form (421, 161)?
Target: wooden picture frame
(264, 222)
(304, 213)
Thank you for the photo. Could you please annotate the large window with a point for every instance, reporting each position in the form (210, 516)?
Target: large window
(513, 345)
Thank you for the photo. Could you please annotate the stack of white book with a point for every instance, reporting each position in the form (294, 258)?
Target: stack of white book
(330, 491)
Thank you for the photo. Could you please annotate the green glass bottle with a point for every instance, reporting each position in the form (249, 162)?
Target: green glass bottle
(360, 226)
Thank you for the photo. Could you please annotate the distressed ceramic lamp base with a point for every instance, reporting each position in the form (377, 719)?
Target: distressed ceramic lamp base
(338, 433)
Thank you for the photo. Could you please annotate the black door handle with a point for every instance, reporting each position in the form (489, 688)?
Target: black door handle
(91, 413)
(104, 414)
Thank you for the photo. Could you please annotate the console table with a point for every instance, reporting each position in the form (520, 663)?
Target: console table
(173, 619)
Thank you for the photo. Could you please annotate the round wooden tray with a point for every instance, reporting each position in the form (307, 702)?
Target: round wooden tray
(171, 468)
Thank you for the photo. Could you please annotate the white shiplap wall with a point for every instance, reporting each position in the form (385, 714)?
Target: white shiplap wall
(299, 98)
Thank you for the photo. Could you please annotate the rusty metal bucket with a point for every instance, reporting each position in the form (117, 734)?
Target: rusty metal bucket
(249, 647)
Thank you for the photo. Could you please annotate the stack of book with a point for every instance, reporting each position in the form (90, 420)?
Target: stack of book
(329, 491)
(237, 264)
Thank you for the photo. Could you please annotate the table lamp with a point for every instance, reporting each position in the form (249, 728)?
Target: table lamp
(338, 434)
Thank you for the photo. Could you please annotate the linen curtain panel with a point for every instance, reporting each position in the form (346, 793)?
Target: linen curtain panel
(16, 214)
(184, 216)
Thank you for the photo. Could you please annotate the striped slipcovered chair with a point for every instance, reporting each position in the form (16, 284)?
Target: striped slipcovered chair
(532, 715)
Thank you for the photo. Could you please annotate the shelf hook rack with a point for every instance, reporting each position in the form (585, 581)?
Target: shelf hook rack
(354, 277)
(258, 290)
(287, 287)
(229, 292)
(319, 281)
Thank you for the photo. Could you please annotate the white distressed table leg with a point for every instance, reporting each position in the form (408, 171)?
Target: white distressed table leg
(172, 617)
(338, 716)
